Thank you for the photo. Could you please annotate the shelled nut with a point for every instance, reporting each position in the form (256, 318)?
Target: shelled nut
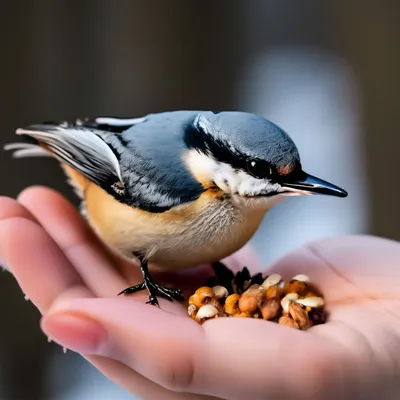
(232, 304)
(289, 298)
(273, 292)
(299, 315)
(287, 321)
(270, 309)
(294, 303)
(206, 312)
(294, 286)
(192, 311)
(220, 292)
(251, 299)
(272, 280)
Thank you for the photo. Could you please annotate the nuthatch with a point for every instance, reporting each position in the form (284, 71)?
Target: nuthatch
(178, 189)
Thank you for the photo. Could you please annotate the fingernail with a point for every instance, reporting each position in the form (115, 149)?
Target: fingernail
(75, 332)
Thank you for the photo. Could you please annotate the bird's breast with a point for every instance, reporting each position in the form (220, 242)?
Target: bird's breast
(202, 231)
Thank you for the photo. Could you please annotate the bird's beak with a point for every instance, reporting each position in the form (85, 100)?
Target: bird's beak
(308, 184)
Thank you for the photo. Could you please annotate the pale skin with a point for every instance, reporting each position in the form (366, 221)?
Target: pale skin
(160, 353)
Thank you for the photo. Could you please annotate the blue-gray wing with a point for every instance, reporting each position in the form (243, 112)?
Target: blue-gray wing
(152, 161)
(138, 160)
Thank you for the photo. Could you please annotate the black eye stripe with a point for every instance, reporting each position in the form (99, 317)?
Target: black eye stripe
(197, 139)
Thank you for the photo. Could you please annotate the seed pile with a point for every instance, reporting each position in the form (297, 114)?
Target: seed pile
(294, 303)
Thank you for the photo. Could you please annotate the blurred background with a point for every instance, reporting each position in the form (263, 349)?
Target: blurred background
(326, 72)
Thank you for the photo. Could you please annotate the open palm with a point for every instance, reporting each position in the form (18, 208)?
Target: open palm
(160, 353)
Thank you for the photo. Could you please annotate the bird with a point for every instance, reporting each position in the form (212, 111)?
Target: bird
(176, 189)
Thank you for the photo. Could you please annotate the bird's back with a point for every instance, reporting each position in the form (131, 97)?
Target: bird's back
(151, 157)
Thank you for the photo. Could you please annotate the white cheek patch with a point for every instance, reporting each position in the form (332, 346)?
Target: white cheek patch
(227, 178)
(200, 165)
(239, 182)
(250, 186)
(207, 168)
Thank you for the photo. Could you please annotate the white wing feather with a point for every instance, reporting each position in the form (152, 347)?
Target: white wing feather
(22, 150)
(119, 121)
(81, 148)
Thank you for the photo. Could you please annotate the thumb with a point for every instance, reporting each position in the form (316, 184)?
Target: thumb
(154, 342)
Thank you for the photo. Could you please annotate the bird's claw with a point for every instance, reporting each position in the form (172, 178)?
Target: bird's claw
(155, 290)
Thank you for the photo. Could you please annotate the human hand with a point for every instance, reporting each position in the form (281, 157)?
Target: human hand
(163, 354)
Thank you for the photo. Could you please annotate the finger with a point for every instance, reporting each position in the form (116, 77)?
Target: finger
(305, 261)
(369, 263)
(10, 208)
(93, 262)
(346, 267)
(84, 333)
(36, 261)
(137, 384)
(215, 359)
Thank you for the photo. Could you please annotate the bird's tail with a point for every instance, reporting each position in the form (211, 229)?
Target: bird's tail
(82, 148)
(22, 150)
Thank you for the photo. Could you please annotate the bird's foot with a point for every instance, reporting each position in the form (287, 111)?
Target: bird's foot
(155, 290)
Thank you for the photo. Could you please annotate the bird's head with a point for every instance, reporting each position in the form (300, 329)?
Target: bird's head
(248, 157)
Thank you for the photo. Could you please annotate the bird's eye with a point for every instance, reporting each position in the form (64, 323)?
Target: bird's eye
(259, 169)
